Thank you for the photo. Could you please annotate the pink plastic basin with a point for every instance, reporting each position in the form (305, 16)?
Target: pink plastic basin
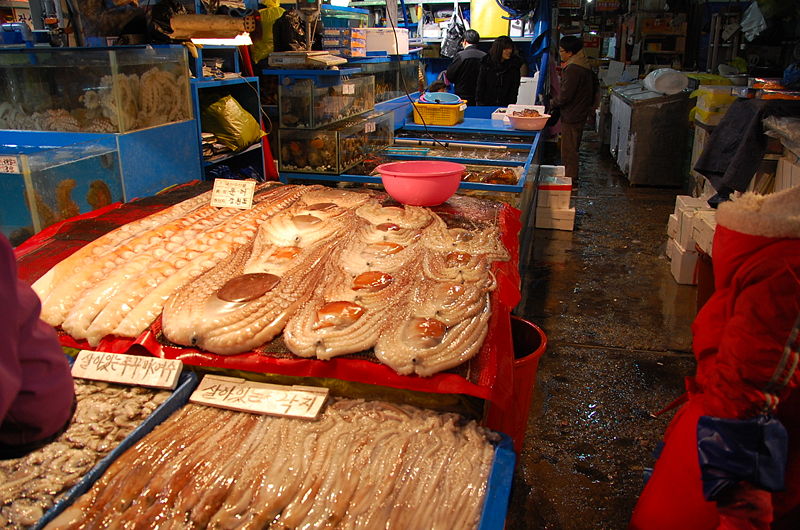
(421, 182)
(528, 123)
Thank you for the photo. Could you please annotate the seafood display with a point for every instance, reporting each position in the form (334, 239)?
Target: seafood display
(361, 465)
(493, 175)
(335, 270)
(336, 148)
(303, 105)
(118, 283)
(94, 91)
(527, 113)
(344, 280)
(105, 415)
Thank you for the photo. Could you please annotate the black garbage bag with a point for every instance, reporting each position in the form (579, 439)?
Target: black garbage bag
(454, 35)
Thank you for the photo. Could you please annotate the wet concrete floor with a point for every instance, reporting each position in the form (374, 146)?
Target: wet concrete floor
(619, 346)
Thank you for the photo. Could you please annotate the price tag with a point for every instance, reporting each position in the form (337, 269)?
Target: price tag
(348, 89)
(9, 164)
(369, 127)
(127, 369)
(260, 398)
(229, 193)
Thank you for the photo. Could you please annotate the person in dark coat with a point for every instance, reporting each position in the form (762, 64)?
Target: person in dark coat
(575, 100)
(37, 397)
(499, 74)
(463, 71)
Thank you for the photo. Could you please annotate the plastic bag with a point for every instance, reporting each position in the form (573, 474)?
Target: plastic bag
(233, 126)
(753, 21)
(731, 451)
(454, 35)
(787, 130)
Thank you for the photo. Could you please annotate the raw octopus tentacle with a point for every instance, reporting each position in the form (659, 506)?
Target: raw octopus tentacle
(74, 263)
(61, 286)
(133, 309)
(173, 238)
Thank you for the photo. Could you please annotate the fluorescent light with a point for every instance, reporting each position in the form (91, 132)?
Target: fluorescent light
(242, 39)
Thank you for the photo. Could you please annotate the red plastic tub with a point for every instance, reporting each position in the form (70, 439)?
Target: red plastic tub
(530, 343)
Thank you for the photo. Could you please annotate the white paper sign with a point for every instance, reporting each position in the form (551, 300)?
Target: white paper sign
(9, 164)
(127, 369)
(348, 89)
(369, 127)
(260, 398)
(229, 193)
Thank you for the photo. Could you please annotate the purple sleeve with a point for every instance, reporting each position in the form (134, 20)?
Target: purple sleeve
(36, 390)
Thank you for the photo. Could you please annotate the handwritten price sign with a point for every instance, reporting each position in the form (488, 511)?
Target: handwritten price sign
(127, 369)
(9, 164)
(260, 398)
(229, 193)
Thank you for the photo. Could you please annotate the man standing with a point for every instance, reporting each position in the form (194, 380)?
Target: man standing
(575, 101)
(463, 71)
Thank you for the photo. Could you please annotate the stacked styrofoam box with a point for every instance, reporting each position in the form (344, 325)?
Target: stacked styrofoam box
(347, 42)
(681, 245)
(704, 224)
(787, 174)
(552, 207)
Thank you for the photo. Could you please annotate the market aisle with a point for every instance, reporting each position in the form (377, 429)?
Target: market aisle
(619, 347)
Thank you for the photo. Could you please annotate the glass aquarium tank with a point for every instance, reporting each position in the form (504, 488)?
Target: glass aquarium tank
(303, 105)
(390, 76)
(45, 185)
(334, 149)
(99, 90)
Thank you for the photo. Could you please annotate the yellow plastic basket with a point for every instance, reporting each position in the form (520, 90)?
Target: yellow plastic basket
(434, 114)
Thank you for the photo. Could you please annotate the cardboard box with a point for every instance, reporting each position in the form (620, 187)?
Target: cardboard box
(554, 192)
(383, 40)
(683, 264)
(673, 226)
(555, 218)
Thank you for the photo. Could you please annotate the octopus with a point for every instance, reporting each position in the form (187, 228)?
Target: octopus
(349, 469)
(105, 415)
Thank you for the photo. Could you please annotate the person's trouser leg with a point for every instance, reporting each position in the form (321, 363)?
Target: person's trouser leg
(570, 142)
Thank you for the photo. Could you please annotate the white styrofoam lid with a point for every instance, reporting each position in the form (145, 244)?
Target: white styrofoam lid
(666, 81)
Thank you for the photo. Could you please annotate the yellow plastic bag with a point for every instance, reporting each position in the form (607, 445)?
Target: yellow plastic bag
(233, 126)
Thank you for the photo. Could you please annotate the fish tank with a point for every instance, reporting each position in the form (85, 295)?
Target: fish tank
(41, 186)
(390, 76)
(97, 90)
(304, 105)
(334, 149)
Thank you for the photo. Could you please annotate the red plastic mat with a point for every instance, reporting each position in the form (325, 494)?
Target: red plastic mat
(487, 376)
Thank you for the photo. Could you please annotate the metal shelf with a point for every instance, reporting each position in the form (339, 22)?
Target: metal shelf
(216, 159)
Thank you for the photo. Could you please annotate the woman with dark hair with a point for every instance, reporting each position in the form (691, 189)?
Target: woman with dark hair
(499, 74)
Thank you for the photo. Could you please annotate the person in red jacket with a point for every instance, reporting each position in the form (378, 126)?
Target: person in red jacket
(731, 456)
(37, 397)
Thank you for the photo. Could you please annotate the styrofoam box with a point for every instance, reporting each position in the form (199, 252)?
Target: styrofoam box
(787, 174)
(685, 228)
(499, 114)
(685, 201)
(672, 248)
(683, 264)
(383, 40)
(672, 226)
(551, 171)
(555, 218)
(704, 225)
(555, 192)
